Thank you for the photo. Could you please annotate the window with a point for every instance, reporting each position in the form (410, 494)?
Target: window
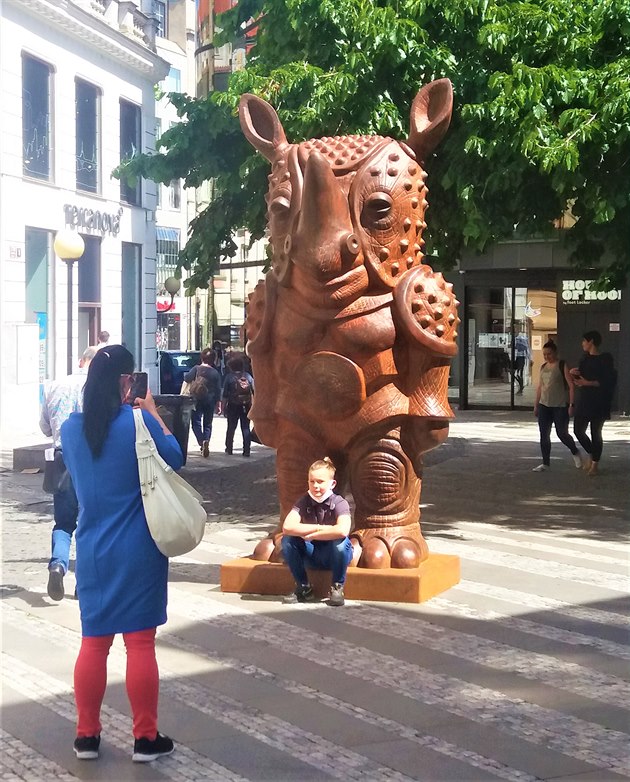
(36, 119)
(131, 286)
(168, 244)
(173, 82)
(130, 144)
(174, 194)
(87, 99)
(159, 12)
(89, 267)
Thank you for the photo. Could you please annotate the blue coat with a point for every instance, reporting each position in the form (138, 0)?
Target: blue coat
(121, 575)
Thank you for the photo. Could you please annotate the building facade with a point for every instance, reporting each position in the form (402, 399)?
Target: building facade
(180, 318)
(512, 300)
(77, 93)
(235, 277)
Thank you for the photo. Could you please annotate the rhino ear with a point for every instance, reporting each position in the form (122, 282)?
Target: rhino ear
(261, 126)
(430, 117)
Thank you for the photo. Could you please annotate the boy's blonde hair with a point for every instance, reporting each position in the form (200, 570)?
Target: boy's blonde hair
(323, 464)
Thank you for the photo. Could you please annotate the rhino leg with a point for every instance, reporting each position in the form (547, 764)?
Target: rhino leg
(386, 493)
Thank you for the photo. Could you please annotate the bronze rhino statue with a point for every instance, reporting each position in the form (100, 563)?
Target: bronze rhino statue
(350, 334)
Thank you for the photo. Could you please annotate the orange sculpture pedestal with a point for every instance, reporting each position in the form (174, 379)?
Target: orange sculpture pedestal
(436, 574)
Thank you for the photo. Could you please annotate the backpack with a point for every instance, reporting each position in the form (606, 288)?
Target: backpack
(199, 388)
(610, 383)
(240, 392)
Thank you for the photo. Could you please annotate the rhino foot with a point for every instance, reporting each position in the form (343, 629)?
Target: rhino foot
(388, 547)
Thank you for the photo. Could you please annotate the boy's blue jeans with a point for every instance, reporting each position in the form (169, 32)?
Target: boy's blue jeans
(334, 555)
(66, 511)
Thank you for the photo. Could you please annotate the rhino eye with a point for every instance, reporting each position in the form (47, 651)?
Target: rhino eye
(377, 209)
(280, 206)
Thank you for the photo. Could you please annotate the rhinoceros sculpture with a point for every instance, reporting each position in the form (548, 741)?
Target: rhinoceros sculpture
(350, 333)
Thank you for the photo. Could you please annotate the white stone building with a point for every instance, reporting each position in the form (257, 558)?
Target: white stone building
(77, 95)
(178, 319)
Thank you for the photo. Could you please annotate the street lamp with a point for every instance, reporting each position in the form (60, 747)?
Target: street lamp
(69, 246)
(172, 285)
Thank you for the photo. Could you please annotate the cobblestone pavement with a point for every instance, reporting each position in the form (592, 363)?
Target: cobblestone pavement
(519, 673)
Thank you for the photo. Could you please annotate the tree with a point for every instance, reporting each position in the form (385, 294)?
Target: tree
(541, 126)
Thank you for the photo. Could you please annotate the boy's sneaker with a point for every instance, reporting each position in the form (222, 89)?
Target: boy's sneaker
(303, 594)
(540, 468)
(577, 460)
(145, 750)
(86, 747)
(336, 595)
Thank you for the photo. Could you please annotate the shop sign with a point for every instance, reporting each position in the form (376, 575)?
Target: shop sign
(92, 219)
(579, 292)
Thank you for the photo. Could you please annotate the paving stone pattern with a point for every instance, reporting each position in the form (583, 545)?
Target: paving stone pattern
(519, 673)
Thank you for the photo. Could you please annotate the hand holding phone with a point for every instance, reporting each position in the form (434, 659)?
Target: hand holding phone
(139, 386)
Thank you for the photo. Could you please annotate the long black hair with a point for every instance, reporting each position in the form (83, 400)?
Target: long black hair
(101, 395)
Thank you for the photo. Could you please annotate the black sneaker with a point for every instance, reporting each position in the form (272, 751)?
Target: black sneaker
(205, 449)
(55, 582)
(336, 597)
(86, 747)
(302, 594)
(145, 750)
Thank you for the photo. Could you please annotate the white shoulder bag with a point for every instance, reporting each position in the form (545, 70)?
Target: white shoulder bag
(175, 516)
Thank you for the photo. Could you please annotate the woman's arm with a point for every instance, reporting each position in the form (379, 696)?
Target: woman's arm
(570, 385)
(191, 375)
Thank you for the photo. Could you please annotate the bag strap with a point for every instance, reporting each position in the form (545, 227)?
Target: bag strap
(147, 454)
(149, 459)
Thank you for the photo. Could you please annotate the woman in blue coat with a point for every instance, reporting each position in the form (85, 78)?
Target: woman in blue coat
(121, 575)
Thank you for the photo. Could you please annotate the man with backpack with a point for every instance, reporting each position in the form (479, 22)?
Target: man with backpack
(238, 391)
(205, 389)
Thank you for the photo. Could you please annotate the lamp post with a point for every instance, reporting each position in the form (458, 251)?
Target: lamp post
(172, 285)
(69, 246)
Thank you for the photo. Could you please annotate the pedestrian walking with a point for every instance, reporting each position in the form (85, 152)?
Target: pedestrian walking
(205, 389)
(554, 405)
(238, 391)
(595, 379)
(315, 534)
(121, 574)
(103, 339)
(61, 398)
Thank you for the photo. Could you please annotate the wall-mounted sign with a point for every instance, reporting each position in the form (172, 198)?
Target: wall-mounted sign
(537, 342)
(614, 327)
(92, 219)
(579, 292)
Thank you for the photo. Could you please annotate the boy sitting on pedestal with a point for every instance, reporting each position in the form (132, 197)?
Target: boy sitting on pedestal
(316, 533)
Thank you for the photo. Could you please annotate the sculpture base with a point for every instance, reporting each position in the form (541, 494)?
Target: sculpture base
(436, 574)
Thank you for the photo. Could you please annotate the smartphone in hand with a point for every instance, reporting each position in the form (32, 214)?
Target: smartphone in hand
(139, 386)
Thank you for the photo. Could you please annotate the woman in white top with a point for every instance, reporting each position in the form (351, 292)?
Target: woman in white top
(554, 405)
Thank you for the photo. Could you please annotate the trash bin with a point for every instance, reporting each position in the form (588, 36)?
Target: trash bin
(176, 411)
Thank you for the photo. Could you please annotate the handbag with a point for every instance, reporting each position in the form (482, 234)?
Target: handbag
(175, 516)
(185, 389)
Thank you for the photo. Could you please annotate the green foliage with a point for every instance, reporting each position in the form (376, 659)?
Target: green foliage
(541, 119)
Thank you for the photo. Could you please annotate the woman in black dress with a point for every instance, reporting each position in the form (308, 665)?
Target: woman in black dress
(594, 378)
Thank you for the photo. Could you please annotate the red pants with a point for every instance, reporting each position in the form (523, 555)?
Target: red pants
(142, 680)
